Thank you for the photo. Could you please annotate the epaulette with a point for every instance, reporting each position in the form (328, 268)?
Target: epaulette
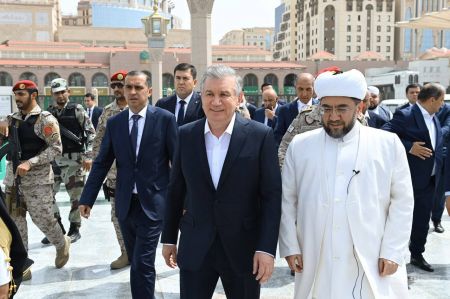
(46, 113)
(308, 108)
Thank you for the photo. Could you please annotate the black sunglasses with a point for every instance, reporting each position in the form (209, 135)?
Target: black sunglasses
(114, 85)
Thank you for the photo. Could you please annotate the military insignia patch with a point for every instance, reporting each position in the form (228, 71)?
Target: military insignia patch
(120, 76)
(290, 129)
(48, 130)
(22, 86)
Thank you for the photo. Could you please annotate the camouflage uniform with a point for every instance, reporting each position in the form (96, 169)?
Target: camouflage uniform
(35, 188)
(109, 111)
(70, 164)
(307, 120)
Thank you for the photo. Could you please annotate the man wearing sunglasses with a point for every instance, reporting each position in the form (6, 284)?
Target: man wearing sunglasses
(347, 201)
(117, 106)
(77, 135)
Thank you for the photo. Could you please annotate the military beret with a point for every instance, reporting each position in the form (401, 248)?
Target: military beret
(119, 76)
(333, 68)
(24, 85)
(350, 84)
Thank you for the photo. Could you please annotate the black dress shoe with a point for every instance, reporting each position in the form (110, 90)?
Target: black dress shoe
(438, 227)
(421, 263)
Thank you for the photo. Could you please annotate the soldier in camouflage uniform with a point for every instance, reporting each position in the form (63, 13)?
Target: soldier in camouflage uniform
(120, 103)
(307, 120)
(77, 135)
(40, 141)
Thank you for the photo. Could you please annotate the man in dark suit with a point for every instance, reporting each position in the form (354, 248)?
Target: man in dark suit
(420, 133)
(412, 91)
(226, 169)
(185, 104)
(373, 119)
(93, 111)
(268, 114)
(142, 177)
(304, 87)
(436, 215)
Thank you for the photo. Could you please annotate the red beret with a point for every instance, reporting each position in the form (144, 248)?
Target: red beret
(333, 69)
(119, 76)
(24, 85)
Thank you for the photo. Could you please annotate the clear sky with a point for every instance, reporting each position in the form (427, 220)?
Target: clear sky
(226, 15)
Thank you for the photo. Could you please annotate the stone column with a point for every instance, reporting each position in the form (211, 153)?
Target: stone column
(156, 71)
(201, 53)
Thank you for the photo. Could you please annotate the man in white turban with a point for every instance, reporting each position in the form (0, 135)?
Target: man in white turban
(347, 201)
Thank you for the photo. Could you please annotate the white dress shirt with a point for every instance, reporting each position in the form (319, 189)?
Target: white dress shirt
(216, 149)
(141, 123)
(177, 107)
(302, 106)
(431, 130)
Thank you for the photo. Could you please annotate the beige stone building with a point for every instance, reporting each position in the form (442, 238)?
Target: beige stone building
(35, 20)
(260, 37)
(239, 53)
(285, 47)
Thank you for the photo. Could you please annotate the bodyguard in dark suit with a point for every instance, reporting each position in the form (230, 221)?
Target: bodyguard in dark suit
(439, 204)
(420, 133)
(268, 114)
(142, 141)
(411, 91)
(304, 87)
(226, 169)
(185, 104)
(93, 111)
(374, 120)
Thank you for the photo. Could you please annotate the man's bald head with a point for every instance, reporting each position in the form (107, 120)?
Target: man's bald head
(270, 98)
(305, 87)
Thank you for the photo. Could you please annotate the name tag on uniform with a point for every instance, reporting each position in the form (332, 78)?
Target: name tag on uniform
(290, 129)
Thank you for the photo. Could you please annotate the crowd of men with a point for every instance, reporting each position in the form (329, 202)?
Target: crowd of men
(220, 182)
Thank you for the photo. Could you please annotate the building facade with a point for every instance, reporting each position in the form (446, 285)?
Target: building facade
(257, 36)
(286, 39)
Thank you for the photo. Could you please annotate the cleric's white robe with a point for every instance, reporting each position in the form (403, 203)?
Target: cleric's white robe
(374, 218)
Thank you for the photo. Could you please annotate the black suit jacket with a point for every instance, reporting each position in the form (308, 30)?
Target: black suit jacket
(245, 209)
(375, 121)
(150, 170)
(194, 109)
(410, 126)
(95, 115)
(260, 115)
(251, 110)
(406, 105)
(286, 115)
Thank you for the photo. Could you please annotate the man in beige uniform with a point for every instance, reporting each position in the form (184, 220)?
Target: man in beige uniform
(40, 141)
(120, 103)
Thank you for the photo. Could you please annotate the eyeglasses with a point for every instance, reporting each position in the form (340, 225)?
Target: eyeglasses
(337, 110)
(114, 85)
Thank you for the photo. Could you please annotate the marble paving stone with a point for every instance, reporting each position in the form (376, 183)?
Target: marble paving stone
(87, 274)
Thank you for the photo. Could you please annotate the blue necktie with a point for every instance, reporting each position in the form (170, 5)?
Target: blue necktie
(134, 132)
(180, 117)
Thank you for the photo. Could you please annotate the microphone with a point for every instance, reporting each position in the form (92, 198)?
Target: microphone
(356, 171)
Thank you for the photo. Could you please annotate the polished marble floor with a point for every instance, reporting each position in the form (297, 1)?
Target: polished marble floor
(87, 274)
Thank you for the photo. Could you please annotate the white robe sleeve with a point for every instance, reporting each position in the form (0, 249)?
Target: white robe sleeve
(288, 242)
(4, 265)
(398, 224)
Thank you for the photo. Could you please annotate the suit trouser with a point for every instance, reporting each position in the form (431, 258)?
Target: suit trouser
(439, 198)
(200, 284)
(423, 204)
(141, 236)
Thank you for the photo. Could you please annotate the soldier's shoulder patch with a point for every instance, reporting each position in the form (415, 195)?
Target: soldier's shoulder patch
(290, 129)
(49, 129)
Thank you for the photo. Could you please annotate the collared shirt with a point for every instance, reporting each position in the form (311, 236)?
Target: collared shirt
(141, 123)
(431, 129)
(177, 107)
(302, 106)
(217, 148)
(265, 117)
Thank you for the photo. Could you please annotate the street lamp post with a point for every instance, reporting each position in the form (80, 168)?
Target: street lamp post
(155, 27)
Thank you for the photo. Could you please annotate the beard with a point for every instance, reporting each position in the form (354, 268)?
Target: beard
(24, 105)
(339, 132)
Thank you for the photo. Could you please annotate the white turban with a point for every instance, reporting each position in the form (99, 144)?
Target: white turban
(350, 84)
(374, 90)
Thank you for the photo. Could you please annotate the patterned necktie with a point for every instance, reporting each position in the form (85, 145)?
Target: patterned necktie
(180, 117)
(134, 132)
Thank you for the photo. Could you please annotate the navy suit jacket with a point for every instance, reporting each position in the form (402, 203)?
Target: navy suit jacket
(406, 105)
(260, 115)
(95, 115)
(150, 170)
(375, 121)
(245, 209)
(410, 126)
(194, 109)
(286, 115)
(444, 119)
(251, 110)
